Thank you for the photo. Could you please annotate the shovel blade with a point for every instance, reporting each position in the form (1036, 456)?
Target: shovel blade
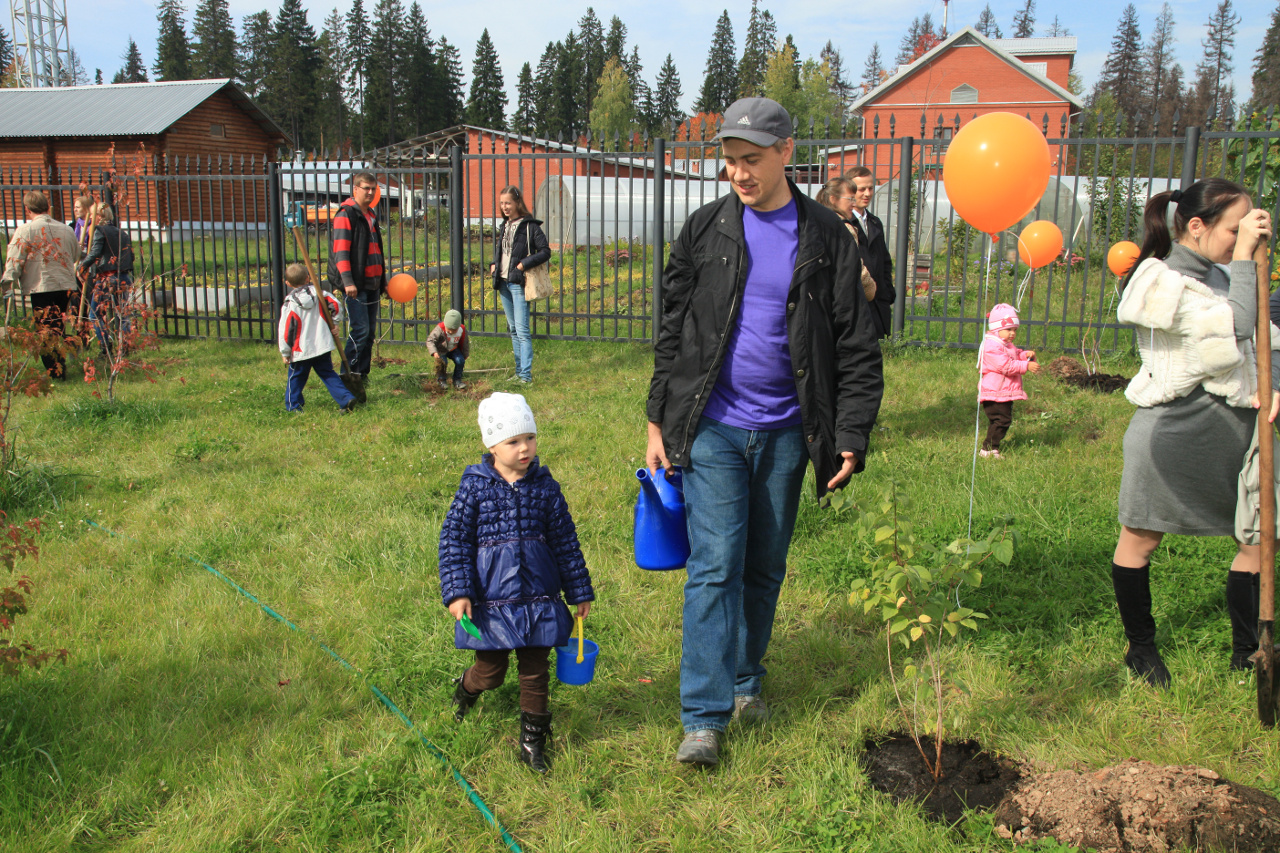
(353, 383)
(1265, 671)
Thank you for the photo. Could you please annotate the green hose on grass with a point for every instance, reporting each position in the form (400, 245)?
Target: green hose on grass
(485, 812)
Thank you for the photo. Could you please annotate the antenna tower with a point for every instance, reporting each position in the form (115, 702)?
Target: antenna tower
(41, 47)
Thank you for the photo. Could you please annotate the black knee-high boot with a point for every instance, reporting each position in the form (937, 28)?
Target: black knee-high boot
(1133, 596)
(462, 699)
(1242, 607)
(535, 729)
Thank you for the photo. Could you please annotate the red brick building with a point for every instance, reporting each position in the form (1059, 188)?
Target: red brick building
(969, 75)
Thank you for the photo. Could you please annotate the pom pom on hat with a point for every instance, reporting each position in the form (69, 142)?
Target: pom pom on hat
(1003, 316)
(504, 415)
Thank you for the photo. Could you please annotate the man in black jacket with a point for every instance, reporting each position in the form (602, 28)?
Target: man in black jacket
(766, 360)
(873, 248)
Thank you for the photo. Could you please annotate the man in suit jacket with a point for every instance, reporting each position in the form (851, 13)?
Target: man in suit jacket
(875, 251)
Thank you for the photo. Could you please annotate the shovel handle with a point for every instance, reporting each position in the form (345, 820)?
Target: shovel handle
(1265, 661)
(324, 306)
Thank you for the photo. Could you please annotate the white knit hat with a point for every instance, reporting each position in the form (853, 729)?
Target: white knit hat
(503, 415)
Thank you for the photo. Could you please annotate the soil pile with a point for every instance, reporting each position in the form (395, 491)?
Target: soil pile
(1071, 372)
(972, 778)
(1140, 807)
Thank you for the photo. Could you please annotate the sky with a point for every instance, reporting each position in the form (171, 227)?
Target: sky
(99, 29)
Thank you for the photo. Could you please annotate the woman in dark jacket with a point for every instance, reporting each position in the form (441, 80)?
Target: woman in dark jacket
(520, 244)
(109, 264)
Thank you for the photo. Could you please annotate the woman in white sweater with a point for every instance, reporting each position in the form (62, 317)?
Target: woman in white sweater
(1196, 394)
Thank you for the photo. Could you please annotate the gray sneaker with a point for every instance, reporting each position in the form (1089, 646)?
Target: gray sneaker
(750, 710)
(701, 747)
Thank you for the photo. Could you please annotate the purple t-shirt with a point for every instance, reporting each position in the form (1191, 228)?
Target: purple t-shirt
(755, 389)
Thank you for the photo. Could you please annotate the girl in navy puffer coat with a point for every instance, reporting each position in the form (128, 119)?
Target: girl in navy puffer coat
(508, 551)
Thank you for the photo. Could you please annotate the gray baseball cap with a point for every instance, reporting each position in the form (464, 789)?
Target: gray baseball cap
(760, 121)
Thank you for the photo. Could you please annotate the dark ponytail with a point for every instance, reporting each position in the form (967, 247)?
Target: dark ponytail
(1205, 200)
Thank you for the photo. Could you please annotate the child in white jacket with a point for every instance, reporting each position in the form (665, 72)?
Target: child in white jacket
(305, 341)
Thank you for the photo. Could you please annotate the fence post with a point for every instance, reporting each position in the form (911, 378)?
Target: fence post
(904, 232)
(275, 236)
(456, 201)
(1189, 151)
(659, 229)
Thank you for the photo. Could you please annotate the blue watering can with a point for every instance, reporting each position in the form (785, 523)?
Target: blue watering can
(662, 540)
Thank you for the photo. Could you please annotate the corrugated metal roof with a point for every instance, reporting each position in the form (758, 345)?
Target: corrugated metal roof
(1029, 46)
(121, 109)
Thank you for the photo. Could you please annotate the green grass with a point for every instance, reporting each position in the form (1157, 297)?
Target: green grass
(187, 720)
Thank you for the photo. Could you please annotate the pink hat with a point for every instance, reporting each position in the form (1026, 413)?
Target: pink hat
(1003, 316)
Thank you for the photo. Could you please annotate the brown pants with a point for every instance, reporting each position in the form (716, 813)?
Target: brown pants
(533, 665)
(1000, 416)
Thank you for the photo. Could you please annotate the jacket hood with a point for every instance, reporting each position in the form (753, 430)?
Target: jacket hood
(305, 296)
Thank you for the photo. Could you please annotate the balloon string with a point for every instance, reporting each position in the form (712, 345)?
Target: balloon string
(977, 416)
(1022, 289)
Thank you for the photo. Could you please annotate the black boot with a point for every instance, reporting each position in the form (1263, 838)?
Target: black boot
(535, 731)
(1133, 595)
(1242, 607)
(462, 700)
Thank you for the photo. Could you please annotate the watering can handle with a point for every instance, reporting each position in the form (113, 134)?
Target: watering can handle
(581, 633)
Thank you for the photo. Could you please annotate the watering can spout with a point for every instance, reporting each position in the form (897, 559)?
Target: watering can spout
(661, 538)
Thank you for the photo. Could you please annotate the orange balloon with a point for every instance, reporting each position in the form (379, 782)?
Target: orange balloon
(377, 195)
(402, 287)
(1039, 243)
(995, 171)
(1121, 257)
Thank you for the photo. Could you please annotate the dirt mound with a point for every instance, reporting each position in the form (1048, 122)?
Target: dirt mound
(1140, 807)
(972, 777)
(1071, 372)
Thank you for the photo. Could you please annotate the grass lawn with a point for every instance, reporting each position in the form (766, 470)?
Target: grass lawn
(187, 720)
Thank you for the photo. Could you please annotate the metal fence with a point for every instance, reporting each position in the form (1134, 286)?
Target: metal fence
(211, 242)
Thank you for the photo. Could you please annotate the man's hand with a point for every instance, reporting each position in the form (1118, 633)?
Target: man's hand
(350, 290)
(850, 462)
(460, 606)
(655, 455)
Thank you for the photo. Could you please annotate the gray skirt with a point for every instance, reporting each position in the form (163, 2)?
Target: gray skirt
(1182, 461)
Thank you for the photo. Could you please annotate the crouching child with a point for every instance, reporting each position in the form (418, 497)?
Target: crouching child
(509, 560)
(448, 342)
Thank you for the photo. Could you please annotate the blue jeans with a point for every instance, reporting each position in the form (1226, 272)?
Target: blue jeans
(300, 371)
(362, 327)
(517, 311)
(458, 361)
(741, 490)
(106, 310)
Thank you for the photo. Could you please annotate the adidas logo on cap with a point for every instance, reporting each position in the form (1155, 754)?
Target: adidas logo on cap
(745, 120)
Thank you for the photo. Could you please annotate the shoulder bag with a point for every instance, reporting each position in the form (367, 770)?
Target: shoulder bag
(537, 280)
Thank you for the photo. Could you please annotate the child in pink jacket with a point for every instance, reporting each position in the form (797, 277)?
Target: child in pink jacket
(1002, 366)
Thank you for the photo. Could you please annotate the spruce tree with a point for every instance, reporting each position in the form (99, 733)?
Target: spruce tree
(384, 64)
(449, 60)
(522, 117)
(1056, 29)
(1266, 67)
(907, 47)
(331, 107)
(841, 87)
(213, 41)
(134, 70)
(358, 34)
(1024, 21)
(591, 47)
(1157, 59)
(255, 51)
(423, 85)
(1214, 96)
(487, 106)
(542, 114)
(173, 52)
(567, 102)
(6, 51)
(762, 33)
(97, 76)
(720, 80)
(666, 99)
(987, 24)
(1122, 74)
(873, 70)
(615, 42)
(641, 91)
(289, 93)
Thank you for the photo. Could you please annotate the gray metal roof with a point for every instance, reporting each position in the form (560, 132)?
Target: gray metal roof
(1045, 45)
(120, 109)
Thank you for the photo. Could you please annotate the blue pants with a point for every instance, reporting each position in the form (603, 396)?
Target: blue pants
(517, 311)
(300, 371)
(742, 490)
(458, 361)
(362, 329)
(105, 307)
